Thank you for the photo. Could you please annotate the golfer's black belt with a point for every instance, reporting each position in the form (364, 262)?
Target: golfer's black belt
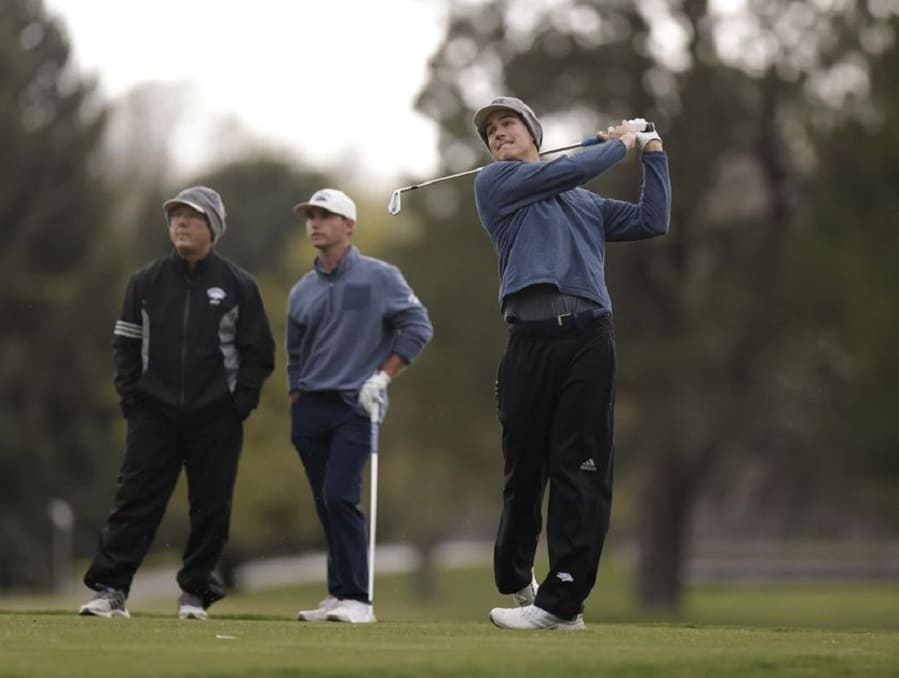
(563, 321)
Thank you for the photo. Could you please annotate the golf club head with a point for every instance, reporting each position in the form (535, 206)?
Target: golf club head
(395, 204)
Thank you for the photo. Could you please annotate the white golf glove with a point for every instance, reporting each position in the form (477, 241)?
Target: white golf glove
(643, 138)
(371, 395)
(637, 125)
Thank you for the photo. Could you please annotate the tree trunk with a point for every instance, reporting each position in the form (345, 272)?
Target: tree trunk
(425, 579)
(667, 502)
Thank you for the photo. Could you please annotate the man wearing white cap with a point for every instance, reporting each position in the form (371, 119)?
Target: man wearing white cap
(353, 324)
(192, 349)
(556, 380)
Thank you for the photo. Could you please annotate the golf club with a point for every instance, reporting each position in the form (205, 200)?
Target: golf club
(395, 204)
(373, 503)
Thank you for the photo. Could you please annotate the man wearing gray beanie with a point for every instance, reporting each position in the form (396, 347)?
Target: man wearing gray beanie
(192, 348)
(204, 200)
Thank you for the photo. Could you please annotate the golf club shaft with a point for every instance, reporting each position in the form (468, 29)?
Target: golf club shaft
(373, 505)
(589, 141)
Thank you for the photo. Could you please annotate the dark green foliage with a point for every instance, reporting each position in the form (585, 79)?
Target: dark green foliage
(54, 275)
(851, 244)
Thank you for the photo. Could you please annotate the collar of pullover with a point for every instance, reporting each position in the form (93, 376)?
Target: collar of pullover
(343, 264)
(201, 266)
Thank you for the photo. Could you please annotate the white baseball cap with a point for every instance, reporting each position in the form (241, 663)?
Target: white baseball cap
(332, 200)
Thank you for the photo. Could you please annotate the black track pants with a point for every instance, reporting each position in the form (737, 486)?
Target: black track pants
(157, 448)
(555, 392)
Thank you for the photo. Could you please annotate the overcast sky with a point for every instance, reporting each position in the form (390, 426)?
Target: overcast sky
(335, 80)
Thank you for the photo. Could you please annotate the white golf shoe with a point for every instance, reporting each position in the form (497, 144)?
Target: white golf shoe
(191, 607)
(527, 595)
(106, 603)
(320, 613)
(533, 618)
(352, 611)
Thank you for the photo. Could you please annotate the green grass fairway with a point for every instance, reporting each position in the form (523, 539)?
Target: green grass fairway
(809, 631)
(65, 645)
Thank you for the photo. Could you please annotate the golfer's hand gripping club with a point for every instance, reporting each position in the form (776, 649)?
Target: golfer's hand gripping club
(644, 131)
(371, 395)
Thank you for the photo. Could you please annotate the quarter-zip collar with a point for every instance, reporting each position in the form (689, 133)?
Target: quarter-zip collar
(350, 257)
(201, 267)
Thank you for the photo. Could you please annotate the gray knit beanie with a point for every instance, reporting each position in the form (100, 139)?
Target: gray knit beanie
(206, 201)
(509, 104)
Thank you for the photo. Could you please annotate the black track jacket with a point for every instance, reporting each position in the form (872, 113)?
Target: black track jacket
(192, 341)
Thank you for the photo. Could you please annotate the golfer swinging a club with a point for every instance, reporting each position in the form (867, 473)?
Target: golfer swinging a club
(556, 379)
(353, 324)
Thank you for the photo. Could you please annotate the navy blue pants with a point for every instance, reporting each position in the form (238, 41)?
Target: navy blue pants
(157, 448)
(333, 441)
(555, 391)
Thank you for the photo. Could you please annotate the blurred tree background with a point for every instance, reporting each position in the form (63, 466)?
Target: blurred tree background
(757, 362)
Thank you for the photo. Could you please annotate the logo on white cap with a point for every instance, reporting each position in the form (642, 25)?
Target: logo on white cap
(332, 200)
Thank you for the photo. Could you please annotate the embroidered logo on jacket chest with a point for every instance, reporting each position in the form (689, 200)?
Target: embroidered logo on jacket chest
(216, 295)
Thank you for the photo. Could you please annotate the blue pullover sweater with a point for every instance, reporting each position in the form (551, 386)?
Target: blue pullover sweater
(546, 229)
(341, 326)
